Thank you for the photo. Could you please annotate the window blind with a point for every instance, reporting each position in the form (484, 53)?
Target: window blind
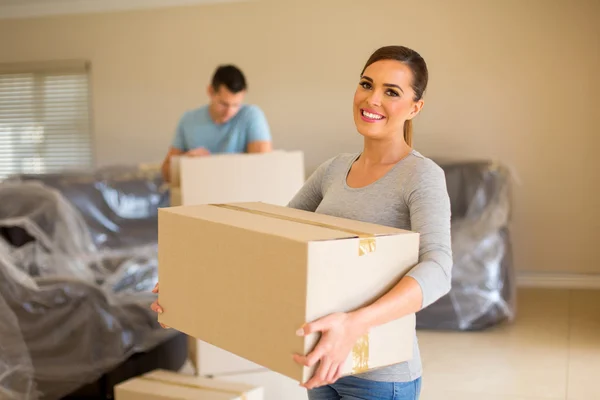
(44, 118)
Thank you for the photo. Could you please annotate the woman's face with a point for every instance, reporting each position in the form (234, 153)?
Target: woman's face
(384, 99)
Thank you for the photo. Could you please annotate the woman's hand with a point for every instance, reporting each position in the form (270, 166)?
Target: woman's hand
(339, 334)
(156, 307)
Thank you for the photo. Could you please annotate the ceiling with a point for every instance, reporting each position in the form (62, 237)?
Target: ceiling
(36, 8)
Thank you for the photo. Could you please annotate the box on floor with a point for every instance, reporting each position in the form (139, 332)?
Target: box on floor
(244, 277)
(167, 385)
(275, 385)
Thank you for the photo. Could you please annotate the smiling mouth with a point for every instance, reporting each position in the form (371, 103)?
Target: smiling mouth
(370, 116)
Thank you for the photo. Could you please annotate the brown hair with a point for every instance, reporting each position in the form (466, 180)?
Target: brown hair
(418, 67)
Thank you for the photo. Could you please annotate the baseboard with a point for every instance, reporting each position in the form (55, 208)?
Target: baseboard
(558, 280)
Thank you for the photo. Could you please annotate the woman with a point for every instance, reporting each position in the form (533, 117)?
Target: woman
(388, 183)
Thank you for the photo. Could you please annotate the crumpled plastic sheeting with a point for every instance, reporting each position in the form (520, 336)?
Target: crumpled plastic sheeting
(54, 234)
(136, 275)
(119, 204)
(69, 331)
(483, 279)
(69, 310)
(16, 369)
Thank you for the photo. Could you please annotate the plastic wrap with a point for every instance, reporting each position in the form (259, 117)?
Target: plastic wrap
(118, 204)
(48, 235)
(483, 280)
(75, 301)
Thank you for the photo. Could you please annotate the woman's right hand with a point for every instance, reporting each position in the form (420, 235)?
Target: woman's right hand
(156, 307)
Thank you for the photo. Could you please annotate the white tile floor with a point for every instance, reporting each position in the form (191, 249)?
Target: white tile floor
(551, 351)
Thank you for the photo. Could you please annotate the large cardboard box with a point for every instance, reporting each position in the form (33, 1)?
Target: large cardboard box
(273, 177)
(244, 277)
(166, 385)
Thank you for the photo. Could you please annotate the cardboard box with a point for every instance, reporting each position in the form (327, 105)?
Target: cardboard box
(175, 196)
(244, 277)
(273, 177)
(275, 386)
(166, 385)
(209, 360)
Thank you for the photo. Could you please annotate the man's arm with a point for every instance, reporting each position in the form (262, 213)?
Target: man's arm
(258, 133)
(259, 146)
(166, 165)
(178, 147)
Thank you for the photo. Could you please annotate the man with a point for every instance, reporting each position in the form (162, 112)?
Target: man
(225, 125)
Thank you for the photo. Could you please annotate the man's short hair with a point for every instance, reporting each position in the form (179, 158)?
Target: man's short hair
(231, 77)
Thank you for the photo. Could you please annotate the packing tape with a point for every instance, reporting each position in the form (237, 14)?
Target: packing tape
(241, 395)
(360, 355)
(366, 243)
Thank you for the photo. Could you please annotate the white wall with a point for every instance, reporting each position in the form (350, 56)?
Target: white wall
(515, 81)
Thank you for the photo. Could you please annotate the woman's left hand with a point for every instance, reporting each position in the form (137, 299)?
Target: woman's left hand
(339, 333)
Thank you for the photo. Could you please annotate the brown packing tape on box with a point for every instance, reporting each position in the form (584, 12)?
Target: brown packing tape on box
(367, 244)
(241, 395)
(360, 355)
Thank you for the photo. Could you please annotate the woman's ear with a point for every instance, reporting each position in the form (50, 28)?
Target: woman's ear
(416, 108)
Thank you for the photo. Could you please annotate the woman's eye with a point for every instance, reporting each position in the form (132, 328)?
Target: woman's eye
(392, 93)
(365, 85)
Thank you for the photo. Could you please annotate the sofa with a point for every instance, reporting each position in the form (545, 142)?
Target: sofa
(483, 292)
(78, 261)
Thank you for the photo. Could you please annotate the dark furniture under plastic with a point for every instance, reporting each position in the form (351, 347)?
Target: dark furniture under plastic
(483, 290)
(170, 355)
(77, 264)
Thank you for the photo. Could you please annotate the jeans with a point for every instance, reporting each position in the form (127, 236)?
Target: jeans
(353, 388)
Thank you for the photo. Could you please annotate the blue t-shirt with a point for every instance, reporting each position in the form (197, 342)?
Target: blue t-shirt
(197, 129)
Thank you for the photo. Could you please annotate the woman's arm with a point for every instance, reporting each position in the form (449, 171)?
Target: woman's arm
(429, 207)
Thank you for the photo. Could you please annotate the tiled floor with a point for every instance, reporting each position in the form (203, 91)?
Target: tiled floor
(551, 351)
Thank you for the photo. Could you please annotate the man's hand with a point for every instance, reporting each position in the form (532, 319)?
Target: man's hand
(197, 152)
(339, 334)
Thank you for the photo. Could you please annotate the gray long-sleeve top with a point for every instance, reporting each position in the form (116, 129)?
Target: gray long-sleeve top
(411, 196)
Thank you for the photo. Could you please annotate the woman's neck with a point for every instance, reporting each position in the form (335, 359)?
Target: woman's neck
(384, 152)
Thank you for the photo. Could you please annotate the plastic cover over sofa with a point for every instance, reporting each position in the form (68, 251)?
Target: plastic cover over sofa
(75, 278)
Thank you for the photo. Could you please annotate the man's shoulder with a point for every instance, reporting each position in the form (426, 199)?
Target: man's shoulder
(195, 113)
(250, 112)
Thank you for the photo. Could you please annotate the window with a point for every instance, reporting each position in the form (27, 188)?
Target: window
(44, 118)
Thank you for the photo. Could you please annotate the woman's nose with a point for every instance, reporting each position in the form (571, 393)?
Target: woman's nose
(374, 99)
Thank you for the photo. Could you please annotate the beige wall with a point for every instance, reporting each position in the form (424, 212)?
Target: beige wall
(513, 80)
